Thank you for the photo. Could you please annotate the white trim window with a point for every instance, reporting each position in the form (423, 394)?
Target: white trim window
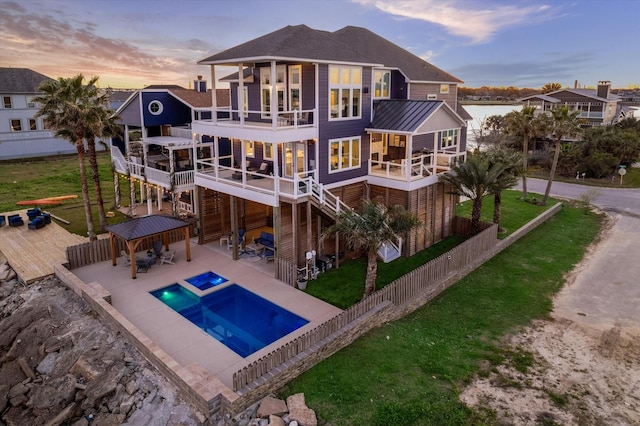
(267, 152)
(449, 138)
(155, 107)
(381, 84)
(345, 88)
(444, 88)
(265, 89)
(16, 125)
(30, 103)
(6, 102)
(344, 154)
(249, 149)
(33, 124)
(295, 87)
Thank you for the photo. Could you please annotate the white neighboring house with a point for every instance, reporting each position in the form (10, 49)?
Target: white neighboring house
(21, 134)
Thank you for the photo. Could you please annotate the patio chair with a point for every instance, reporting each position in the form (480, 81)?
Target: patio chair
(263, 170)
(157, 248)
(3, 220)
(143, 265)
(167, 257)
(126, 260)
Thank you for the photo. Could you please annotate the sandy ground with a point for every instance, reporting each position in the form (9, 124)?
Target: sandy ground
(586, 358)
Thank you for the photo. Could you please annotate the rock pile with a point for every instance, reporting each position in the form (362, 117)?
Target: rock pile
(272, 411)
(60, 365)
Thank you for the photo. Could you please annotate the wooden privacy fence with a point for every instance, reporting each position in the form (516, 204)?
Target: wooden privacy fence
(427, 277)
(100, 250)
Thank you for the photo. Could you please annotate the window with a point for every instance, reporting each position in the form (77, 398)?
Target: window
(248, 149)
(30, 103)
(345, 85)
(449, 138)
(268, 151)
(33, 124)
(345, 154)
(444, 88)
(295, 87)
(155, 107)
(265, 89)
(381, 84)
(6, 102)
(16, 125)
(432, 97)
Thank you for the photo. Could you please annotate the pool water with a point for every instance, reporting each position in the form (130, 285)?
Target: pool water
(206, 281)
(238, 318)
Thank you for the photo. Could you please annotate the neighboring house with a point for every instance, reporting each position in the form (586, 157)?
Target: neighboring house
(319, 121)
(156, 144)
(22, 135)
(597, 107)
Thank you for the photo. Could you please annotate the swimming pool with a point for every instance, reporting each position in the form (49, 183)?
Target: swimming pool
(206, 280)
(238, 318)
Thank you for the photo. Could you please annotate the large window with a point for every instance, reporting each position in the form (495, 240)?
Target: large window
(449, 138)
(30, 103)
(265, 89)
(295, 87)
(267, 154)
(345, 154)
(248, 149)
(16, 125)
(345, 86)
(33, 124)
(6, 102)
(381, 84)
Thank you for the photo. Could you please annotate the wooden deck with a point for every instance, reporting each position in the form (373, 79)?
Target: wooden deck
(32, 253)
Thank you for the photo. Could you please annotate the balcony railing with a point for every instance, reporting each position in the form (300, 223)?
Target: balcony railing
(183, 179)
(257, 119)
(415, 168)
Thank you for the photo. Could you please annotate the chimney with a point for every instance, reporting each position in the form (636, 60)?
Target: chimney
(200, 85)
(604, 88)
(575, 84)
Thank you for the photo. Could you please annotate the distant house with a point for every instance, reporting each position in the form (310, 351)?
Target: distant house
(156, 144)
(318, 122)
(22, 135)
(597, 106)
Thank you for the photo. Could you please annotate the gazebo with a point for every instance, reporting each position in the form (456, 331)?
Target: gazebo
(134, 231)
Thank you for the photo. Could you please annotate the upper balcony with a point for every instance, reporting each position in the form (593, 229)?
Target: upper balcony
(259, 126)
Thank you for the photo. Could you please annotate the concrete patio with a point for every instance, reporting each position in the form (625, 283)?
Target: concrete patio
(180, 339)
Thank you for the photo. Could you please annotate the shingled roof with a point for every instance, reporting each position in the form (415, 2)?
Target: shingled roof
(350, 45)
(145, 226)
(20, 80)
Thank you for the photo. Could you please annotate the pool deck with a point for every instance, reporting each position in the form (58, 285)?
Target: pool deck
(178, 337)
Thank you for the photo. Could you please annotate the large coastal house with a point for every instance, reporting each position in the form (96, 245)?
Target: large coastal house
(22, 135)
(317, 122)
(154, 151)
(598, 107)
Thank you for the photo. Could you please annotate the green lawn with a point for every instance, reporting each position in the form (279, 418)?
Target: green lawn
(54, 176)
(410, 372)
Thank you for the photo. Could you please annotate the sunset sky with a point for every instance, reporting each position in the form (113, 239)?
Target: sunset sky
(135, 43)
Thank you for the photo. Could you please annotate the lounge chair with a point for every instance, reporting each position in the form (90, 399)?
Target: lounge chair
(15, 220)
(263, 170)
(143, 264)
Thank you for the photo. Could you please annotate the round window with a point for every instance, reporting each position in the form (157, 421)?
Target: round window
(155, 107)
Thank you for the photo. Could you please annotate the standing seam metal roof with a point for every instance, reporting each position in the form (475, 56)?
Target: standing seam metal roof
(402, 115)
(146, 226)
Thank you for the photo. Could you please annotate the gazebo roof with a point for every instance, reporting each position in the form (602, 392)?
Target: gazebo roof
(145, 226)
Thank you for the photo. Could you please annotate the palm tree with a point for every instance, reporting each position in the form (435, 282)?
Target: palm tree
(551, 87)
(75, 111)
(563, 123)
(526, 124)
(473, 179)
(369, 229)
(507, 179)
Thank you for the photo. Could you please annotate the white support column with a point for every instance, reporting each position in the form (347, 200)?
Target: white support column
(274, 97)
(214, 98)
(240, 94)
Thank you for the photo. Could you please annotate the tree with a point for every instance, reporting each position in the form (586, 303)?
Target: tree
(563, 123)
(473, 179)
(551, 87)
(525, 123)
(508, 178)
(369, 229)
(74, 111)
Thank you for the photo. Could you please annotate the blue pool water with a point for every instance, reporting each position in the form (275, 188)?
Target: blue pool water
(238, 318)
(207, 280)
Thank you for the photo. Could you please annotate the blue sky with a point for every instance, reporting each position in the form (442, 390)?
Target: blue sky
(134, 43)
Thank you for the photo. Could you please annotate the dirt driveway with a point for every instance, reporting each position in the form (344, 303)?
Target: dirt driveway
(587, 358)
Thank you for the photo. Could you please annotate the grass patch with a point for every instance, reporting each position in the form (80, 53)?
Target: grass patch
(630, 180)
(60, 175)
(413, 369)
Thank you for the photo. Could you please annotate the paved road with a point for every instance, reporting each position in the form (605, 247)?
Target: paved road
(606, 290)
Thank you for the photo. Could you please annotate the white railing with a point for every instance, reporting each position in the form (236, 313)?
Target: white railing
(184, 180)
(181, 133)
(258, 119)
(415, 168)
